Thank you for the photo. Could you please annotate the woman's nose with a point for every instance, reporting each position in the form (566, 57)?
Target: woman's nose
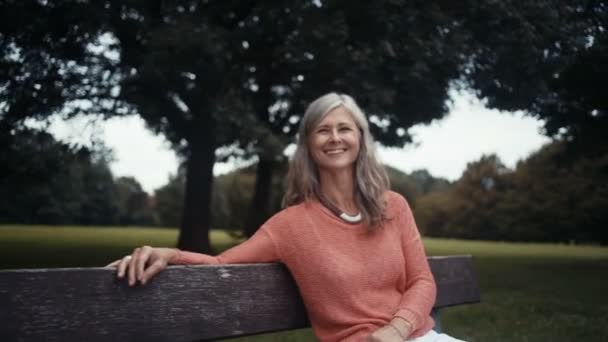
(334, 135)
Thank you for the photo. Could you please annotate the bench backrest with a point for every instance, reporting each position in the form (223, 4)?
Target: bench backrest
(184, 303)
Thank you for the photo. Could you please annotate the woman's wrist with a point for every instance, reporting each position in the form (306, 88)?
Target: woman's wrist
(400, 324)
(173, 256)
(401, 333)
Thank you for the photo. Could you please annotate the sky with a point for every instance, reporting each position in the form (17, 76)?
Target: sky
(443, 147)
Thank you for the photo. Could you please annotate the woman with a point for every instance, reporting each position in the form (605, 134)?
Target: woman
(351, 245)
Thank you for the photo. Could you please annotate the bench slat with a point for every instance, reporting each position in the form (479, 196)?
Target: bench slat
(456, 280)
(184, 303)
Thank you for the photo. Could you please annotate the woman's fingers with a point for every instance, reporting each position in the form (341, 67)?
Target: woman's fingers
(122, 266)
(132, 266)
(152, 271)
(144, 255)
(113, 263)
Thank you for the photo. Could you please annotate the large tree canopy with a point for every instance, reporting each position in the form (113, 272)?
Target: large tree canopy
(549, 58)
(50, 61)
(239, 73)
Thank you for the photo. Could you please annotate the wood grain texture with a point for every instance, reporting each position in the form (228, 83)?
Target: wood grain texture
(456, 280)
(184, 303)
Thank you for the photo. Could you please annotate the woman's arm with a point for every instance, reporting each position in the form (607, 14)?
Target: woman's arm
(146, 262)
(258, 248)
(419, 297)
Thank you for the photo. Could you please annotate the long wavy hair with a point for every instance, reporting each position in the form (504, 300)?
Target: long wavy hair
(371, 180)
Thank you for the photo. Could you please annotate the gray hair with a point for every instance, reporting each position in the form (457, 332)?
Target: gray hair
(371, 180)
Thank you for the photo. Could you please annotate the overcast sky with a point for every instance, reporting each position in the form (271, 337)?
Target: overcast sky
(443, 147)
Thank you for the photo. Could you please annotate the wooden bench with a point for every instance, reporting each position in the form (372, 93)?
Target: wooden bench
(184, 303)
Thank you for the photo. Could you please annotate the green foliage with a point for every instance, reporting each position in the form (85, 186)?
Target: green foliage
(134, 203)
(208, 74)
(549, 197)
(546, 57)
(565, 198)
(232, 198)
(168, 201)
(47, 65)
(233, 193)
(239, 73)
(415, 184)
(49, 182)
(403, 184)
(45, 181)
(426, 183)
(230, 202)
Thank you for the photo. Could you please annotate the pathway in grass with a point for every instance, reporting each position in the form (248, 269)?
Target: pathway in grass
(530, 292)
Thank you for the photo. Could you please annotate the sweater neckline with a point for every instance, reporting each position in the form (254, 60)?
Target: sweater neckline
(328, 204)
(318, 206)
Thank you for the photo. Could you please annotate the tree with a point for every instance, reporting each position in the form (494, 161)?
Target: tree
(434, 212)
(425, 182)
(548, 197)
(555, 198)
(238, 73)
(543, 57)
(134, 203)
(398, 70)
(547, 58)
(119, 58)
(210, 74)
(168, 200)
(48, 182)
(51, 64)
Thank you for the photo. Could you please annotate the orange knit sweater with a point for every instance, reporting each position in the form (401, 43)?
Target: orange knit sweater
(352, 282)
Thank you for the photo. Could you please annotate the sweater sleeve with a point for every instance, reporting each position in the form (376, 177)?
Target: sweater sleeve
(419, 297)
(258, 248)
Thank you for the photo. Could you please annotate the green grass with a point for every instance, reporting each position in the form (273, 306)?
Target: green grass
(50, 246)
(530, 292)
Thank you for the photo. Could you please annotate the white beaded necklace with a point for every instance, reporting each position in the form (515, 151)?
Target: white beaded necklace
(352, 219)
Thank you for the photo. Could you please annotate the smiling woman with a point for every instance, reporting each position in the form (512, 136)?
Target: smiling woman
(334, 143)
(336, 147)
(351, 245)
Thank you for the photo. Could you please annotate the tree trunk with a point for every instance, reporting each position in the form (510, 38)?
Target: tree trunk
(259, 210)
(269, 148)
(194, 231)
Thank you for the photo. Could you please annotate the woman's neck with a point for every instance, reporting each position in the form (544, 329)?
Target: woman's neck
(339, 188)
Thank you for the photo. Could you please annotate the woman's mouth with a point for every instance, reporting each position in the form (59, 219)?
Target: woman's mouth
(335, 151)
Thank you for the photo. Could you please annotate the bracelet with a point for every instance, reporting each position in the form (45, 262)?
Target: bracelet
(398, 331)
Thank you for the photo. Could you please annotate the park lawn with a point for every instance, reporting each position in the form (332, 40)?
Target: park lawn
(530, 292)
(71, 246)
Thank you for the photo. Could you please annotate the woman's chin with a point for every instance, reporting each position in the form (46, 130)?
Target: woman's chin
(337, 166)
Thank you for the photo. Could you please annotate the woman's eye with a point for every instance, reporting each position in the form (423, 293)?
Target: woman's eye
(345, 129)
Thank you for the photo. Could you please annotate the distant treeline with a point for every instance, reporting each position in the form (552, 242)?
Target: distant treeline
(43, 181)
(550, 196)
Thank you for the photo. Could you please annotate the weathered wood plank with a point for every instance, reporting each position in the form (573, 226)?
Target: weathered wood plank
(456, 280)
(184, 303)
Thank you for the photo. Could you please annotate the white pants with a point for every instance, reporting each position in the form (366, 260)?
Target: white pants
(433, 336)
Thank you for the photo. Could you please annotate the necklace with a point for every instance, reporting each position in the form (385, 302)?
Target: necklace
(352, 219)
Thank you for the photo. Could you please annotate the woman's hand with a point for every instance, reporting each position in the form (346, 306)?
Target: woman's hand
(396, 331)
(387, 333)
(143, 264)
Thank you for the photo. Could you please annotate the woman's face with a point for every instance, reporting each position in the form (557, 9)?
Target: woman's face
(335, 142)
